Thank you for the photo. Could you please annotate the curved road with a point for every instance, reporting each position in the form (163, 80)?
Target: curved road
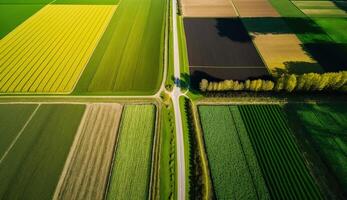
(175, 94)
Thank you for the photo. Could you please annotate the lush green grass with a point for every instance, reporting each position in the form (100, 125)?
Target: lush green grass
(100, 2)
(12, 15)
(132, 165)
(18, 113)
(25, 1)
(129, 57)
(326, 125)
(335, 27)
(32, 167)
(168, 165)
(282, 164)
(184, 63)
(234, 168)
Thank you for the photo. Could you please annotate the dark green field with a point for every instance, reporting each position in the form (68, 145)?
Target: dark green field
(325, 126)
(12, 15)
(247, 142)
(34, 155)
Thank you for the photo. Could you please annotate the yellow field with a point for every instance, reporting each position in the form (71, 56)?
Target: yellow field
(49, 51)
(283, 53)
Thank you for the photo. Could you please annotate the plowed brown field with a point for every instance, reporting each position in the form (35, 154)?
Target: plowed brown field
(87, 168)
(255, 8)
(208, 8)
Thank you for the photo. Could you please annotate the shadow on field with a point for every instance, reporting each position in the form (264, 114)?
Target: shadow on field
(227, 28)
(319, 139)
(331, 56)
(282, 25)
(298, 67)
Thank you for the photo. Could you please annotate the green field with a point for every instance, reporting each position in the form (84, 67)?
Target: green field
(13, 15)
(278, 153)
(132, 163)
(93, 2)
(234, 167)
(35, 157)
(129, 57)
(253, 154)
(334, 27)
(325, 125)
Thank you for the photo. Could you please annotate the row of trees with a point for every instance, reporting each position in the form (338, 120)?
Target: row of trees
(332, 81)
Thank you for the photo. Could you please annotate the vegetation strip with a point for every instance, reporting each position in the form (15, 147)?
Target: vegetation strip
(86, 171)
(131, 171)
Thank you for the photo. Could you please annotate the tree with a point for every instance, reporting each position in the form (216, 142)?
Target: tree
(290, 83)
(280, 83)
(247, 84)
(203, 85)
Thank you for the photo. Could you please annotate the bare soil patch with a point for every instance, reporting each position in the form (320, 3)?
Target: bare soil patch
(255, 8)
(208, 8)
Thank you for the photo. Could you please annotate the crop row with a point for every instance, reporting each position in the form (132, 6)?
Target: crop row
(283, 167)
(49, 51)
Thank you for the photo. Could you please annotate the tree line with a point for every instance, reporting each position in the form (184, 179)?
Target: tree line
(330, 81)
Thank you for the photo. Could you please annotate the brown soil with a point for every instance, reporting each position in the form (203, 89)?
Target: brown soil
(255, 8)
(208, 8)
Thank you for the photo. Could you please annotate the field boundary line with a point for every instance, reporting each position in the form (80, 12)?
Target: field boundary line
(20, 133)
(113, 159)
(71, 152)
(98, 39)
(235, 9)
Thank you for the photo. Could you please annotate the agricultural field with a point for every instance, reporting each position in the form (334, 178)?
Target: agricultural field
(86, 170)
(324, 126)
(208, 8)
(52, 59)
(12, 15)
(234, 167)
(131, 170)
(257, 135)
(122, 62)
(223, 51)
(254, 8)
(32, 132)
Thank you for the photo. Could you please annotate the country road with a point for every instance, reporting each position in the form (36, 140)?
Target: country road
(175, 94)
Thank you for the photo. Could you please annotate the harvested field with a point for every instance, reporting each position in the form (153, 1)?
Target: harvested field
(33, 163)
(49, 51)
(214, 45)
(133, 157)
(208, 8)
(323, 8)
(255, 8)
(284, 53)
(87, 169)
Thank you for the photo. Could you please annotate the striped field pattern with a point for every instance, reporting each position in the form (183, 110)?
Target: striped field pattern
(49, 51)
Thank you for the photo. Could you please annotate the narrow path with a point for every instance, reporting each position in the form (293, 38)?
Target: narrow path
(175, 94)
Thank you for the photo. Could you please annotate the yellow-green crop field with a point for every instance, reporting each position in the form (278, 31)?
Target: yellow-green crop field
(49, 51)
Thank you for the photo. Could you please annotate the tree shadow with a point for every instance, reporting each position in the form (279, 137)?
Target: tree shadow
(282, 25)
(233, 29)
(297, 67)
(331, 56)
(320, 134)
